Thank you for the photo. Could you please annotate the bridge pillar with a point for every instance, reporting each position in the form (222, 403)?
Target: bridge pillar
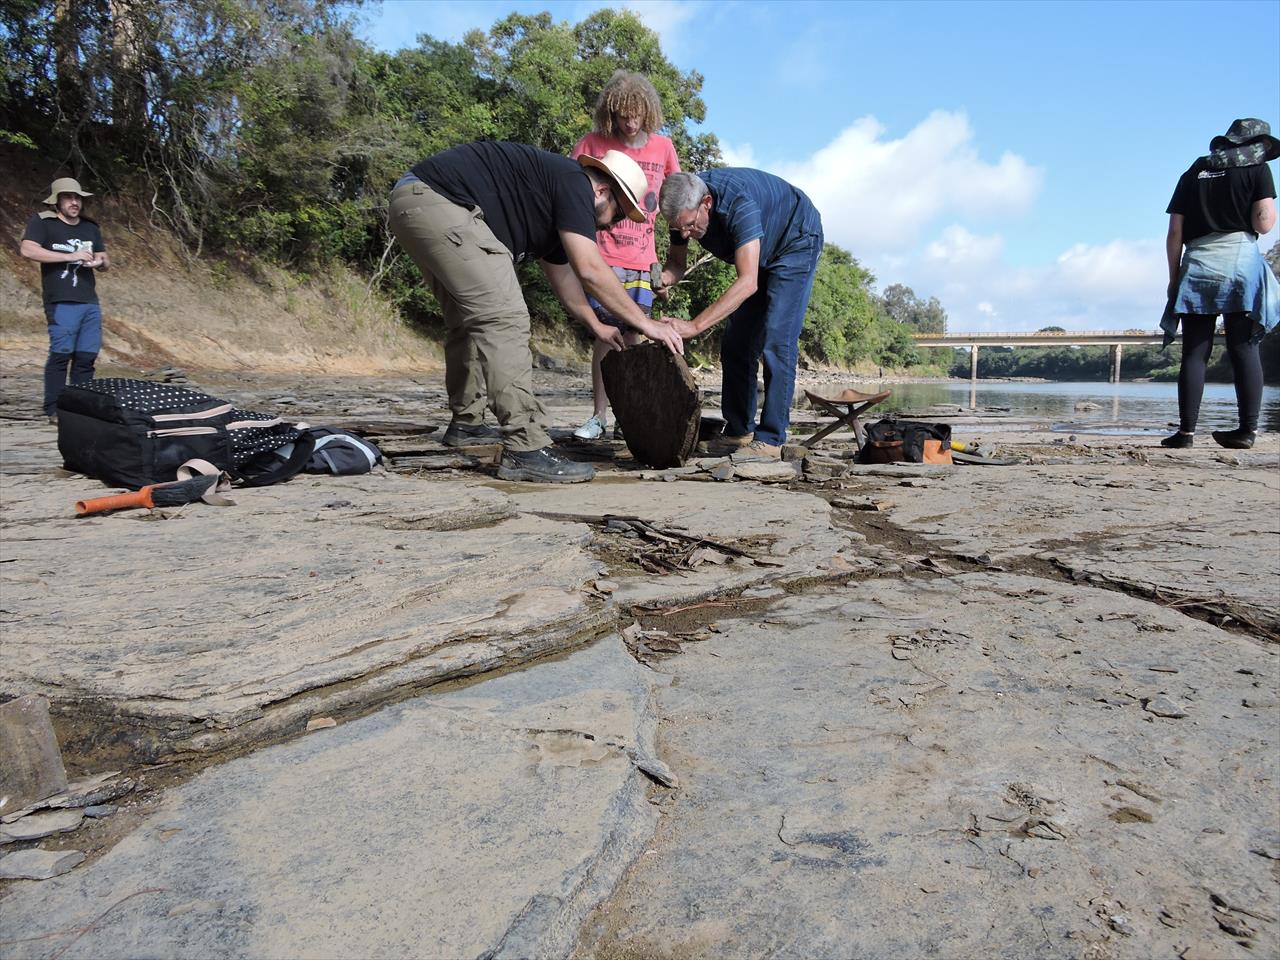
(1116, 350)
(973, 363)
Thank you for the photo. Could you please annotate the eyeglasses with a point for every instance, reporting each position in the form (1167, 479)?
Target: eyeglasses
(620, 209)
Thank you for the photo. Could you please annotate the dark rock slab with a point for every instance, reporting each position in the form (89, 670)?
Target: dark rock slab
(32, 763)
(655, 401)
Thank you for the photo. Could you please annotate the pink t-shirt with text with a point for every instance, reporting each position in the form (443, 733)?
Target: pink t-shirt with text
(627, 244)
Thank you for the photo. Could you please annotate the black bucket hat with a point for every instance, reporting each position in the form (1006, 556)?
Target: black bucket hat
(1247, 142)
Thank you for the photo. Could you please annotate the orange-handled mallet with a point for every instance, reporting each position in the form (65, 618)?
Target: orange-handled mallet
(174, 494)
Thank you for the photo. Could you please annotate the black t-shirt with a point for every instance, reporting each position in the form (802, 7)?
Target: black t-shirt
(527, 195)
(1219, 201)
(65, 282)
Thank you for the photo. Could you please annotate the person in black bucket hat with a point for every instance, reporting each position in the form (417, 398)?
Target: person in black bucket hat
(1222, 204)
(1246, 143)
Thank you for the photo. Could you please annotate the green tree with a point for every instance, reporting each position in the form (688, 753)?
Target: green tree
(842, 310)
(901, 304)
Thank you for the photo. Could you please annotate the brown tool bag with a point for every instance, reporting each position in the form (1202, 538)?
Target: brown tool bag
(907, 441)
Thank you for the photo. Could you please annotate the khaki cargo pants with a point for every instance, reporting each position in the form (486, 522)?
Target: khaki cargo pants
(487, 324)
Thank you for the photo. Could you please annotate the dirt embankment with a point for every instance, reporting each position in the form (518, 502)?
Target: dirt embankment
(162, 307)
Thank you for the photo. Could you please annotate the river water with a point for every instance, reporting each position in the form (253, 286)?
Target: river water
(1123, 408)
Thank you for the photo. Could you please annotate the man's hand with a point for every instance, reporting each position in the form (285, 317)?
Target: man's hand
(663, 333)
(610, 336)
(685, 328)
(666, 286)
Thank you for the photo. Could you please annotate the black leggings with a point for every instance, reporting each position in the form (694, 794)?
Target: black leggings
(1246, 367)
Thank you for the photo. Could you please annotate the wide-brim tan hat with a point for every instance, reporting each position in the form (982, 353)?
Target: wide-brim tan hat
(633, 186)
(64, 185)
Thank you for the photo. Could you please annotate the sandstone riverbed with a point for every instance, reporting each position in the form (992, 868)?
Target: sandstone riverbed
(850, 711)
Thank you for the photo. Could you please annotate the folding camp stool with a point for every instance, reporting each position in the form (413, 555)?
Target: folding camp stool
(846, 407)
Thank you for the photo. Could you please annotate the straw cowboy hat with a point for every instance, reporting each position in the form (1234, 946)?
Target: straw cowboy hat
(631, 181)
(1247, 142)
(64, 185)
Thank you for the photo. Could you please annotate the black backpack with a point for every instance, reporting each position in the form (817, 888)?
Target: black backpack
(130, 433)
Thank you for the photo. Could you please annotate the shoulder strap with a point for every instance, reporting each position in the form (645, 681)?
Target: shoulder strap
(281, 471)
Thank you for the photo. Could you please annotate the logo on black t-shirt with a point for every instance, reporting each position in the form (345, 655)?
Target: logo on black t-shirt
(73, 269)
(1210, 174)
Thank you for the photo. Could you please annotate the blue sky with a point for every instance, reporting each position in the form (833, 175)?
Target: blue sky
(1012, 159)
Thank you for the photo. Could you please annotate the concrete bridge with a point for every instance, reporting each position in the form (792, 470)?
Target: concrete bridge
(1115, 339)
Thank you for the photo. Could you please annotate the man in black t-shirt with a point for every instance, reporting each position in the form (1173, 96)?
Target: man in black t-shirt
(467, 216)
(69, 248)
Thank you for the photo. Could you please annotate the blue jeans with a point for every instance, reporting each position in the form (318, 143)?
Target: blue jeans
(75, 334)
(767, 327)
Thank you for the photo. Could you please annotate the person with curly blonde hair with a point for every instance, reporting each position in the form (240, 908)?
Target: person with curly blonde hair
(627, 116)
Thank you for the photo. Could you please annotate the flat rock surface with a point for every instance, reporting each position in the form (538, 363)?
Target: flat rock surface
(37, 825)
(216, 626)
(837, 799)
(490, 818)
(1199, 529)
(968, 711)
(38, 865)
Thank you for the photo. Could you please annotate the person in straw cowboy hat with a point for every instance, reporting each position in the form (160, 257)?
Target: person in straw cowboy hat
(69, 248)
(1222, 203)
(467, 216)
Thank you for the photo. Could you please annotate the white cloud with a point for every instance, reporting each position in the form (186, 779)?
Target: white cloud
(741, 155)
(669, 19)
(884, 199)
(1115, 272)
(1111, 286)
(879, 196)
(957, 248)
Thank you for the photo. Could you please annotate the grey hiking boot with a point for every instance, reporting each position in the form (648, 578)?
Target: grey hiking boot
(469, 434)
(542, 466)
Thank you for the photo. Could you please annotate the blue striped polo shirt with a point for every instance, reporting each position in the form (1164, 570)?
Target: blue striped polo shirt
(749, 205)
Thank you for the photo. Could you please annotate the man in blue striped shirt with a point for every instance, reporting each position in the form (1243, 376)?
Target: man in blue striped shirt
(772, 234)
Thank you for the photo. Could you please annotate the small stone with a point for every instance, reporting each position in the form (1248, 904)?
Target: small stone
(1260, 703)
(901, 653)
(824, 468)
(1235, 926)
(321, 723)
(39, 864)
(794, 451)
(100, 810)
(1121, 924)
(767, 471)
(1164, 707)
(1162, 668)
(605, 586)
(722, 471)
(32, 768)
(40, 825)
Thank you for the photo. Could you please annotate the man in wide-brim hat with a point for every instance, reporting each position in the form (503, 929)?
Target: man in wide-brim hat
(467, 216)
(69, 248)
